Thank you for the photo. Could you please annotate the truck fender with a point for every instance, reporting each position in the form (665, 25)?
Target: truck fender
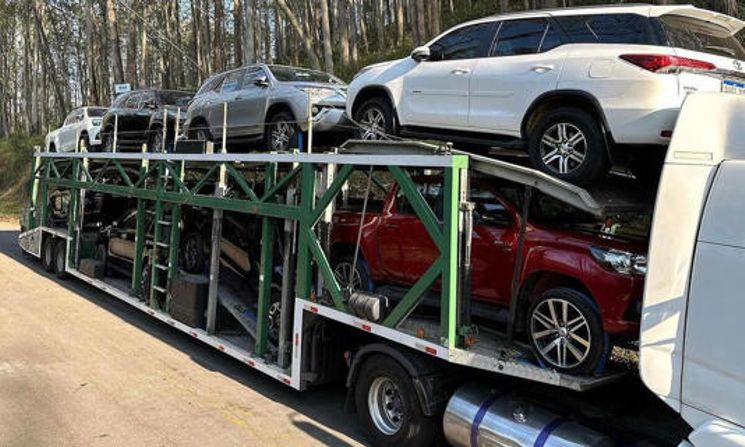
(433, 380)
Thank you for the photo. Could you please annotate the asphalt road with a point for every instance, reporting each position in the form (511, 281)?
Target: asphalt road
(80, 368)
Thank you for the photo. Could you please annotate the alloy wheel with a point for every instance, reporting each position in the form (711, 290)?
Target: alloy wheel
(373, 124)
(563, 148)
(191, 254)
(280, 136)
(386, 405)
(561, 333)
(83, 146)
(342, 273)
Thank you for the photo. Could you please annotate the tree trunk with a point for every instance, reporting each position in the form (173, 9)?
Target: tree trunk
(379, 24)
(399, 22)
(116, 53)
(307, 42)
(134, 26)
(238, 32)
(328, 55)
(218, 43)
(344, 23)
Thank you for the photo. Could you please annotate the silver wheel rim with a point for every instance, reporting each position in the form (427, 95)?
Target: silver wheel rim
(190, 254)
(201, 135)
(341, 272)
(273, 315)
(386, 405)
(157, 143)
(373, 124)
(563, 148)
(49, 253)
(561, 333)
(281, 133)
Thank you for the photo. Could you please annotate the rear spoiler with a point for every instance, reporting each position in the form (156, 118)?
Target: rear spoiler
(572, 195)
(731, 24)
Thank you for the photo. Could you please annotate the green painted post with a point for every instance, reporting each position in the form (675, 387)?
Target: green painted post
(45, 192)
(34, 188)
(139, 236)
(267, 270)
(307, 199)
(72, 217)
(175, 237)
(452, 197)
(154, 271)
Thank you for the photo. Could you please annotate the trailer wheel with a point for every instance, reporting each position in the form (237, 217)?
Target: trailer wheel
(60, 251)
(47, 254)
(360, 278)
(388, 406)
(566, 331)
(193, 256)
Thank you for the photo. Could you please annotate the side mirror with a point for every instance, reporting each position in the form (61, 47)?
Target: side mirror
(262, 82)
(421, 54)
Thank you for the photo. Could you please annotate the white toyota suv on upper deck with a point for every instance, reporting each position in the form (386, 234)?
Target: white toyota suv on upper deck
(570, 85)
(80, 131)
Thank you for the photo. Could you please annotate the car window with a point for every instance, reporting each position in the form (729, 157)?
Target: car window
(79, 115)
(551, 39)
(699, 35)
(147, 98)
(488, 209)
(212, 84)
(467, 42)
(233, 81)
(520, 37)
(430, 191)
(610, 28)
(295, 74)
(251, 75)
(133, 101)
(95, 112)
(69, 119)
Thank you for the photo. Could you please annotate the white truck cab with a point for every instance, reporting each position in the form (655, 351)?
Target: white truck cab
(692, 344)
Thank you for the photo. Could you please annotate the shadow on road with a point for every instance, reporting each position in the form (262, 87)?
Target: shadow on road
(323, 405)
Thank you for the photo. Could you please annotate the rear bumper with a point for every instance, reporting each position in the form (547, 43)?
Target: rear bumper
(328, 119)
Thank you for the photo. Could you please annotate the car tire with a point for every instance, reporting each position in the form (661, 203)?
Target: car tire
(193, 255)
(375, 120)
(84, 144)
(200, 132)
(107, 141)
(578, 341)
(388, 407)
(155, 143)
(60, 251)
(553, 151)
(47, 254)
(281, 132)
(342, 269)
(145, 282)
(52, 148)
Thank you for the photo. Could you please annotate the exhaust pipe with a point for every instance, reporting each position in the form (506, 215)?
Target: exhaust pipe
(479, 416)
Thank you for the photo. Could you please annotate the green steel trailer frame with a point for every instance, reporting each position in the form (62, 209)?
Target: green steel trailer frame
(165, 183)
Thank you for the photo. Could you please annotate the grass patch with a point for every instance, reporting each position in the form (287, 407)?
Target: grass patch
(15, 171)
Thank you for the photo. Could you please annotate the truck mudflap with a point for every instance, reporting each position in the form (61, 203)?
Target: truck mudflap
(484, 417)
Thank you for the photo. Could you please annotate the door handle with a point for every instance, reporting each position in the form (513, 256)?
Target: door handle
(460, 71)
(502, 245)
(542, 68)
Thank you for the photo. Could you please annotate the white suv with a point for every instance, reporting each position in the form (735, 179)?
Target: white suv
(80, 131)
(569, 85)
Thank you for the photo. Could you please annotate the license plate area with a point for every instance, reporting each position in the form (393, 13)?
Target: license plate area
(732, 86)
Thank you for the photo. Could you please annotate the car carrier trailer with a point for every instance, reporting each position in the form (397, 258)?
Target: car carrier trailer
(403, 369)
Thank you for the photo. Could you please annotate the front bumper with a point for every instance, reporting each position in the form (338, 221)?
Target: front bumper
(94, 136)
(330, 119)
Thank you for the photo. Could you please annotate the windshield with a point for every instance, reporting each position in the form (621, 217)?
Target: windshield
(699, 35)
(96, 112)
(292, 74)
(179, 99)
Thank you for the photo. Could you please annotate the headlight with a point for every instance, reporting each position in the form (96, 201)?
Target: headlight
(620, 261)
(316, 94)
(96, 122)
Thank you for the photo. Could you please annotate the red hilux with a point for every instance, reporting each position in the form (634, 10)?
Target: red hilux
(579, 284)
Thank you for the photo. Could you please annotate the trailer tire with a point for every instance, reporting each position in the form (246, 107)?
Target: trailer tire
(388, 407)
(193, 254)
(60, 251)
(47, 254)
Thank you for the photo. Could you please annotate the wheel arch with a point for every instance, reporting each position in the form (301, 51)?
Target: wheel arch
(375, 91)
(538, 282)
(564, 98)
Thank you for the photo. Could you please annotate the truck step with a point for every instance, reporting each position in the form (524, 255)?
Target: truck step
(163, 244)
(161, 267)
(159, 289)
(165, 223)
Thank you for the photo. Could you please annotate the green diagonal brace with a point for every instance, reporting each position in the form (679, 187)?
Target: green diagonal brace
(331, 192)
(330, 282)
(421, 208)
(205, 178)
(281, 184)
(235, 175)
(123, 173)
(414, 295)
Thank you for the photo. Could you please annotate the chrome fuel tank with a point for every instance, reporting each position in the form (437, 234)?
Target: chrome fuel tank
(478, 416)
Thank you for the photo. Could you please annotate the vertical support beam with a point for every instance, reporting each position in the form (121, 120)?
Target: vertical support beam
(215, 247)
(304, 271)
(175, 237)
(139, 235)
(267, 270)
(72, 217)
(453, 195)
(33, 205)
(286, 309)
(44, 193)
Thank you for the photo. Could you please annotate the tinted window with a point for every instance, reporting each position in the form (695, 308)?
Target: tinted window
(171, 98)
(232, 82)
(133, 101)
(120, 100)
(212, 84)
(147, 98)
(70, 118)
(251, 75)
(699, 35)
(432, 194)
(95, 112)
(551, 39)
(294, 74)
(488, 209)
(464, 43)
(609, 28)
(520, 37)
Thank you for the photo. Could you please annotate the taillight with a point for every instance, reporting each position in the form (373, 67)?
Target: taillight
(663, 63)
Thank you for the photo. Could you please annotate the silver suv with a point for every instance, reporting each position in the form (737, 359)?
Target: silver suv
(268, 102)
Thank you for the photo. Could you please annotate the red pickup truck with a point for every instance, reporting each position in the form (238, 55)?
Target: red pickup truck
(580, 284)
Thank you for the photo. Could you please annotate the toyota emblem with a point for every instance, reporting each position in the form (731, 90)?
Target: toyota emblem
(738, 65)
